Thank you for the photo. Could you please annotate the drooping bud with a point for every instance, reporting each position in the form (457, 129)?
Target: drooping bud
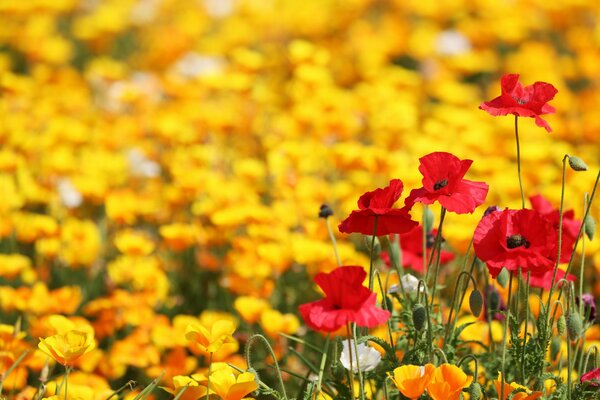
(325, 211)
(577, 164)
(574, 325)
(475, 391)
(419, 316)
(561, 325)
(476, 302)
(554, 347)
(428, 220)
(503, 277)
(589, 226)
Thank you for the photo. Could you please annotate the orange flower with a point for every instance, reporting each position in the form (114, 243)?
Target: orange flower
(447, 382)
(211, 340)
(411, 380)
(525, 394)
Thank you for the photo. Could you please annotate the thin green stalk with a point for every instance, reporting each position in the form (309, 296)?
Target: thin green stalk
(351, 370)
(424, 244)
(333, 242)
(582, 264)
(526, 323)
(504, 336)
(361, 383)
(459, 281)
(371, 253)
(322, 366)
(437, 245)
(519, 161)
(251, 340)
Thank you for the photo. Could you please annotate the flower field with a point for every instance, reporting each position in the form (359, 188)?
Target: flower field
(285, 199)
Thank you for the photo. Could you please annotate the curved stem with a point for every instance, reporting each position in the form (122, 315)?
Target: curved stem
(333, 242)
(249, 343)
(519, 161)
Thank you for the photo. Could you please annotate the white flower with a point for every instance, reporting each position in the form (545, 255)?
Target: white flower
(68, 193)
(452, 43)
(368, 357)
(219, 8)
(140, 165)
(410, 283)
(193, 65)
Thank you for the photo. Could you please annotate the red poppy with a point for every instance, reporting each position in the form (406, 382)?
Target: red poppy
(544, 280)
(378, 203)
(593, 377)
(443, 182)
(516, 239)
(411, 244)
(570, 228)
(346, 300)
(523, 101)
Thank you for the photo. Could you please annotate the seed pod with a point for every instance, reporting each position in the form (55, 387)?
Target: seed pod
(574, 326)
(428, 220)
(554, 347)
(475, 391)
(376, 245)
(561, 325)
(476, 302)
(325, 211)
(494, 300)
(503, 277)
(589, 226)
(577, 164)
(419, 316)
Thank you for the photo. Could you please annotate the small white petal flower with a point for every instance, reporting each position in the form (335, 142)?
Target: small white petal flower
(68, 193)
(451, 43)
(140, 165)
(410, 283)
(368, 357)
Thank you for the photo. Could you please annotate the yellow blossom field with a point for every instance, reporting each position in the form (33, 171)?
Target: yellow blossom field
(163, 164)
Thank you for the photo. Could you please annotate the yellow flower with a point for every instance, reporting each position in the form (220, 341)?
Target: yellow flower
(194, 390)
(211, 340)
(526, 394)
(68, 347)
(411, 380)
(250, 308)
(228, 386)
(273, 322)
(447, 382)
(133, 243)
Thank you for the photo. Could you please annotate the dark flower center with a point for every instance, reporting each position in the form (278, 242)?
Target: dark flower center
(440, 184)
(519, 100)
(514, 241)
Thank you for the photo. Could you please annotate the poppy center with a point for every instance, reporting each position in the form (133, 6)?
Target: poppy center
(440, 184)
(514, 241)
(519, 100)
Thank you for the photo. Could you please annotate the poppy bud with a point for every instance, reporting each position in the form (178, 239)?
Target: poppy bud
(376, 245)
(561, 325)
(428, 220)
(419, 316)
(574, 326)
(577, 164)
(475, 391)
(589, 226)
(494, 299)
(554, 347)
(503, 277)
(476, 302)
(325, 211)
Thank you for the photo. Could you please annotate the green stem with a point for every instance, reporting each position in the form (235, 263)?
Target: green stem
(67, 370)
(519, 161)
(333, 242)
(437, 245)
(526, 323)
(249, 343)
(504, 337)
(322, 366)
(449, 323)
(351, 370)
(371, 253)
(361, 383)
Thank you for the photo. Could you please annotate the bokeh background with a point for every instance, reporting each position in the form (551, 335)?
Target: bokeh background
(161, 158)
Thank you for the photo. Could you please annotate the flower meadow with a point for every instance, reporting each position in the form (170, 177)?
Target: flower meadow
(283, 199)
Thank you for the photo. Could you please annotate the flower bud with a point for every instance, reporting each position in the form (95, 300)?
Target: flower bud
(503, 277)
(574, 326)
(589, 226)
(577, 164)
(475, 302)
(325, 211)
(561, 325)
(428, 220)
(475, 391)
(554, 348)
(376, 245)
(494, 299)
(419, 316)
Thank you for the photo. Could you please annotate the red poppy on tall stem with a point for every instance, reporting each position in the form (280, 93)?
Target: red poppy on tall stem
(377, 205)
(443, 182)
(523, 101)
(593, 377)
(516, 239)
(346, 300)
(570, 226)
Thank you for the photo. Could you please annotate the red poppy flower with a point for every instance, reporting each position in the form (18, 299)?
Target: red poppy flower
(516, 238)
(570, 228)
(378, 203)
(593, 377)
(346, 300)
(411, 244)
(523, 101)
(443, 182)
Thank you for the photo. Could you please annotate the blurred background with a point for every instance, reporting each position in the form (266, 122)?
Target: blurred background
(173, 154)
